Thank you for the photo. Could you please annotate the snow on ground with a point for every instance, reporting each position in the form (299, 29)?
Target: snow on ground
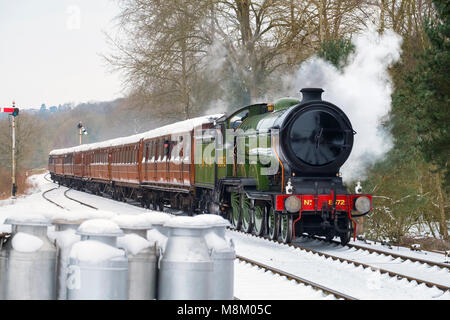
(425, 255)
(34, 203)
(257, 284)
(413, 269)
(251, 282)
(357, 282)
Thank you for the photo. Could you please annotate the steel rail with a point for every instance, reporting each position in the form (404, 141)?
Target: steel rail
(371, 250)
(45, 177)
(316, 286)
(78, 201)
(51, 201)
(356, 263)
(387, 253)
(65, 194)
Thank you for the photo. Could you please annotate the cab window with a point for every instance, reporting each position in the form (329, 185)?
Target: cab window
(237, 119)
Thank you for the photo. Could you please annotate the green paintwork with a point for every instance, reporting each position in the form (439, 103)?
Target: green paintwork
(258, 219)
(245, 209)
(235, 206)
(254, 125)
(285, 103)
(205, 169)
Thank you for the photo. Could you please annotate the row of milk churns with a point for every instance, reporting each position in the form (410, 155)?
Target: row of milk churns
(138, 257)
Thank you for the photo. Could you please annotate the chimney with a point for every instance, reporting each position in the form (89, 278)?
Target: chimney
(310, 94)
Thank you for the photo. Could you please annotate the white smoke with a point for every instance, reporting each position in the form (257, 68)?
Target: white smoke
(362, 90)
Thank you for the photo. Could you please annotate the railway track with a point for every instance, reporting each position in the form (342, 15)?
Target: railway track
(326, 255)
(289, 276)
(46, 178)
(78, 201)
(44, 195)
(386, 253)
(355, 263)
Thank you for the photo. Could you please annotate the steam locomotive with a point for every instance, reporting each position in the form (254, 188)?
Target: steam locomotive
(271, 169)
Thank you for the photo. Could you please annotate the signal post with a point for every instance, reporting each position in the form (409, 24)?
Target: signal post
(14, 112)
(82, 130)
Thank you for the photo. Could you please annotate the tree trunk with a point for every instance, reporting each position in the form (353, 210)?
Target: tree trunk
(443, 230)
(382, 14)
(321, 12)
(184, 80)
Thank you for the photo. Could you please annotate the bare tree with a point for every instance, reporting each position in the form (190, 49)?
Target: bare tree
(162, 48)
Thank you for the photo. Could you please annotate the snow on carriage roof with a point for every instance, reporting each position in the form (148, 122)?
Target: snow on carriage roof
(174, 128)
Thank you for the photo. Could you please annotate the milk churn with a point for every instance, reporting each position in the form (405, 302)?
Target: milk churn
(65, 237)
(158, 219)
(141, 256)
(185, 267)
(28, 260)
(98, 270)
(222, 254)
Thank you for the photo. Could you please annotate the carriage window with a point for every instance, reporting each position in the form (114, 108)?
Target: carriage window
(160, 149)
(167, 148)
(153, 150)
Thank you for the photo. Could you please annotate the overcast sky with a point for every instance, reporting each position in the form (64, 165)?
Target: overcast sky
(49, 52)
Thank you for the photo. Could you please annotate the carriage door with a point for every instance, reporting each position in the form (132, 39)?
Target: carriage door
(167, 148)
(220, 153)
(109, 164)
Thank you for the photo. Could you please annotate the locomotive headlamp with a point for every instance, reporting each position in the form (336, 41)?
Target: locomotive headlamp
(362, 204)
(292, 204)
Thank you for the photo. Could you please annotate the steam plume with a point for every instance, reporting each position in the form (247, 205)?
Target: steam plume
(362, 90)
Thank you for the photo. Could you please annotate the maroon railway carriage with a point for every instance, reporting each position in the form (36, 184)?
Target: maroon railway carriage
(149, 167)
